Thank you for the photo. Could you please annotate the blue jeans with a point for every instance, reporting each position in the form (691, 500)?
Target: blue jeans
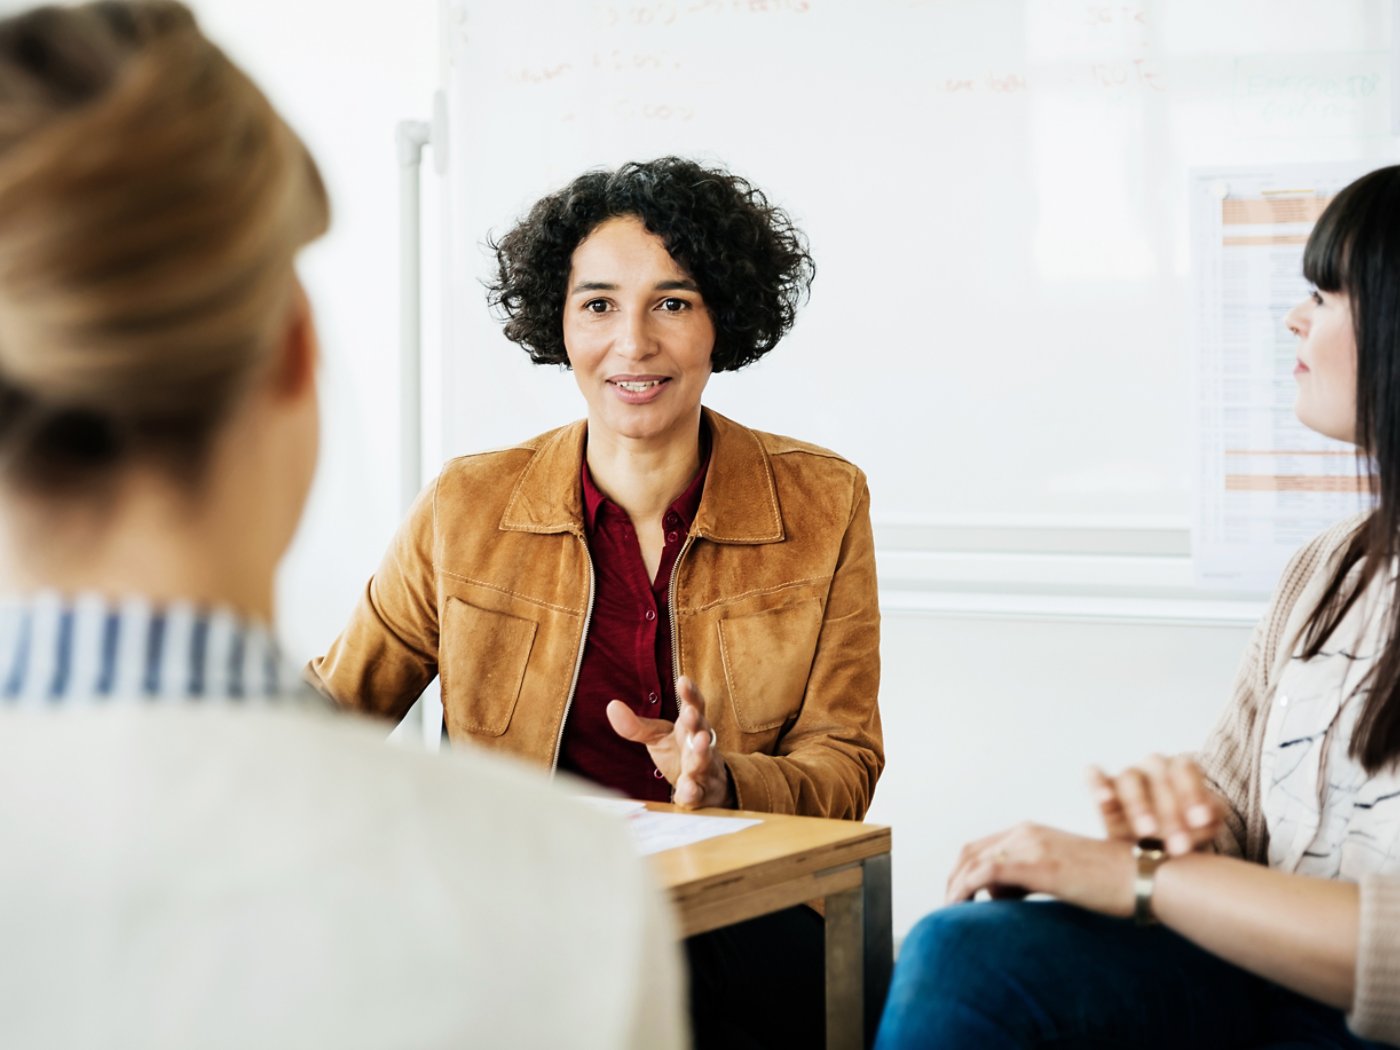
(1004, 974)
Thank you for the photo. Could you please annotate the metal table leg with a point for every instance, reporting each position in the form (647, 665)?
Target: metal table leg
(859, 957)
(878, 930)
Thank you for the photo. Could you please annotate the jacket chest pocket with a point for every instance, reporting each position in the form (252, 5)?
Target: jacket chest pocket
(482, 663)
(767, 658)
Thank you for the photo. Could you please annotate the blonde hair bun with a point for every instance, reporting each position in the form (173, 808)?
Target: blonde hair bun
(151, 205)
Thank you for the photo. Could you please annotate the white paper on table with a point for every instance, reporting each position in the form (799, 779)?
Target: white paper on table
(621, 807)
(656, 832)
(1265, 483)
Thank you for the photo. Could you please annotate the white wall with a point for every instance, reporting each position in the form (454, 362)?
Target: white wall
(990, 721)
(344, 75)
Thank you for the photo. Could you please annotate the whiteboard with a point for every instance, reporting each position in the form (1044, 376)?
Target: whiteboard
(996, 195)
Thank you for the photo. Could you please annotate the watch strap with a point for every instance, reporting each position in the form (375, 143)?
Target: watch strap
(1148, 856)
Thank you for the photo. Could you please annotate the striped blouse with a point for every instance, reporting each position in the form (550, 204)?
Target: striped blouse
(1326, 815)
(57, 649)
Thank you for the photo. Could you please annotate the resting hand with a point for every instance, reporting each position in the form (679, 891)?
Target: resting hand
(1096, 874)
(680, 749)
(1164, 798)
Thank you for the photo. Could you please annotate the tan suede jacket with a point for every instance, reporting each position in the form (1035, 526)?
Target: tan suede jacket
(774, 612)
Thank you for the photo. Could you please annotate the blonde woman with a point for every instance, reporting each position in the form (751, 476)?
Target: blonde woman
(197, 851)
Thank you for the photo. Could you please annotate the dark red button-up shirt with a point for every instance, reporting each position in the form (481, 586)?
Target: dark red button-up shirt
(627, 655)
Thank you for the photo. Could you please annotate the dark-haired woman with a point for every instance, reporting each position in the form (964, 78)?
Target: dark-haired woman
(655, 598)
(1264, 877)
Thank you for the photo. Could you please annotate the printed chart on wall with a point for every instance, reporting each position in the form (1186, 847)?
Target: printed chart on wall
(1266, 483)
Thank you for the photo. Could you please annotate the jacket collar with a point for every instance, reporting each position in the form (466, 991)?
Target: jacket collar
(739, 504)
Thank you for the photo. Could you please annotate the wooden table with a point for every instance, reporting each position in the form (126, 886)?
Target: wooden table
(786, 861)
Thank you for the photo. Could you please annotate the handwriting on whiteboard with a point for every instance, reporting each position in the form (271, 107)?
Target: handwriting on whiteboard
(1338, 95)
(640, 62)
(613, 60)
(669, 12)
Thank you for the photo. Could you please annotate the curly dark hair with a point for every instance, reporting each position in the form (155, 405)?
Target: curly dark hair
(748, 259)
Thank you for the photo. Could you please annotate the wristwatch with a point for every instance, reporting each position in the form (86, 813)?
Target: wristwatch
(1148, 855)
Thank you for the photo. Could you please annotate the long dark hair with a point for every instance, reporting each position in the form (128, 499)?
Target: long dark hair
(1355, 249)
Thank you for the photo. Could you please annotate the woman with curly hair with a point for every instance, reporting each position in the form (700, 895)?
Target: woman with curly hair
(655, 598)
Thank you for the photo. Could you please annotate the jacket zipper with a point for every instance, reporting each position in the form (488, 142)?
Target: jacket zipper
(671, 615)
(578, 663)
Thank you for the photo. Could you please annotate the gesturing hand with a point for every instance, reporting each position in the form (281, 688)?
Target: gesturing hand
(1165, 798)
(1029, 858)
(682, 749)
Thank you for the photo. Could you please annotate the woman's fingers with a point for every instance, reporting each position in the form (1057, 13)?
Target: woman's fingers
(1166, 798)
(703, 780)
(987, 864)
(691, 727)
(693, 736)
(687, 692)
(1030, 858)
(967, 877)
(684, 750)
(1171, 825)
(687, 792)
(968, 857)
(696, 758)
(1115, 820)
(629, 725)
(1203, 813)
(1135, 795)
(659, 736)
(694, 727)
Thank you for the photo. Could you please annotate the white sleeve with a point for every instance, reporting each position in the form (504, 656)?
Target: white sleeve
(659, 1014)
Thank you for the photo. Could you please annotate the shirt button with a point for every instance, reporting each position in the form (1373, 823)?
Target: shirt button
(671, 537)
(1282, 700)
(651, 698)
(672, 519)
(658, 775)
(650, 615)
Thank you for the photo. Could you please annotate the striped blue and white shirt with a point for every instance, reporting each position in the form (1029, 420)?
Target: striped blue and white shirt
(56, 649)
